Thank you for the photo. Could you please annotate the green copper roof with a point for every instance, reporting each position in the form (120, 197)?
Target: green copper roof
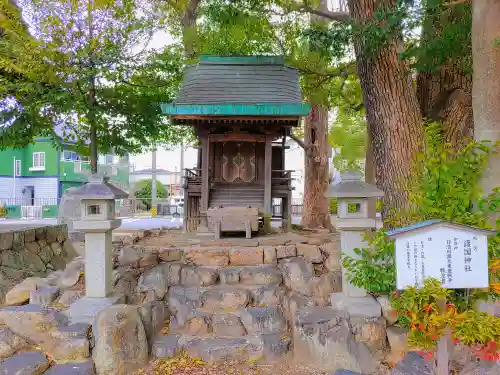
(239, 86)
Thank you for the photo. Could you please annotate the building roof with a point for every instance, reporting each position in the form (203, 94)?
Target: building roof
(239, 86)
(435, 223)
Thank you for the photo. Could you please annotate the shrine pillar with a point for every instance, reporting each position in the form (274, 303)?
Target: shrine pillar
(268, 154)
(205, 183)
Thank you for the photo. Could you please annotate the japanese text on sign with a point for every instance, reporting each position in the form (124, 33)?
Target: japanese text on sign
(456, 257)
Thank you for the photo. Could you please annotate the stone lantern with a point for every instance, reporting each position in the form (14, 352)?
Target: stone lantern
(353, 218)
(97, 222)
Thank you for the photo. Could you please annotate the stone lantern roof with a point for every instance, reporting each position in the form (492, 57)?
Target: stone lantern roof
(98, 187)
(352, 186)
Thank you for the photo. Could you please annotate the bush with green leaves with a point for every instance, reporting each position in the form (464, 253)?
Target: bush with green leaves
(448, 189)
(144, 190)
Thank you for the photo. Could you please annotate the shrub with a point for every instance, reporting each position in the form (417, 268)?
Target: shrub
(3, 211)
(449, 185)
(144, 190)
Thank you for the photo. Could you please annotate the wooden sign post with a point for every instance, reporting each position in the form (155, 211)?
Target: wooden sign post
(453, 253)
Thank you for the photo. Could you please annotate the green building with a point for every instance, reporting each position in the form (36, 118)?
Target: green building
(33, 178)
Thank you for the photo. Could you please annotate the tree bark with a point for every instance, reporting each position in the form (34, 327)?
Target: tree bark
(486, 82)
(316, 177)
(446, 95)
(316, 152)
(370, 175)
(188, 23)
(393, 113)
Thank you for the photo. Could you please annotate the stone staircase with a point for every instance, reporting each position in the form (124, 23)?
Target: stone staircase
(240, 302)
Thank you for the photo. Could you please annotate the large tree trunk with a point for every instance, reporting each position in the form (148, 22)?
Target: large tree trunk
(486, 81)
(316, 177)
(317, 150)
(393, 113)
(188, 23)
(446, 95)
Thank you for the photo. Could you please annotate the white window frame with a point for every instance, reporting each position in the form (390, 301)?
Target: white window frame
(17, 167)
(38, 161)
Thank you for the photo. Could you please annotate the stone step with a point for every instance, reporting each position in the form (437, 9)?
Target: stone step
(224, 298)
(202, 276)
(261, 347)
(230, 324)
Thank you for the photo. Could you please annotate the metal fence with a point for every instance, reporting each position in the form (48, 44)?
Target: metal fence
(29, 208)
(137, 207)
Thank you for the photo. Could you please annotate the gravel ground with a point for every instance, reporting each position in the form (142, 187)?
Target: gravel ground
(183, 365)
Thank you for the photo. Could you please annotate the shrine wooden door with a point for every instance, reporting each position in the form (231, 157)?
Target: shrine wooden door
(238, 162)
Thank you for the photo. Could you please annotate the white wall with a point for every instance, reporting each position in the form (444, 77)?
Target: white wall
(46, 189)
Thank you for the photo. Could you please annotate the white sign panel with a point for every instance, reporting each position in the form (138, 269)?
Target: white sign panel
(457, 257)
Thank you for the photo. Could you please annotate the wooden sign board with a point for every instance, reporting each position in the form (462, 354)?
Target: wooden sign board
(455, 254)
(236, 137)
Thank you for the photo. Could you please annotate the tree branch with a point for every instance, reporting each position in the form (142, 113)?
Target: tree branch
(331, 16)
(457, 2)
(299, 141)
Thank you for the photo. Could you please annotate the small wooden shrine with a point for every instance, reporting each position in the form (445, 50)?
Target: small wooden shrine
(242, 109)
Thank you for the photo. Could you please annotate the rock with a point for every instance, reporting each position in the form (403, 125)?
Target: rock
(398, 338)
(165, 346)
(292, 302)
(27, 363)
(267, 295)
(230, 275)
(74, 368)
(153, 316)
(461, 354)
(371, 331)
(6, 240)
(296, 274)
(127, 286)
(56, 248)
(32, 322)
(261, 275)
(225, 298)
(70, 275)
(286, 251)
(69, 251)
(263, 320)
(154, 283)
(170, 255)
(207, 257)
(390, 314)
(40, 233)
(270, 255)
(212, 350)
(122, 345)
(346, 372)
(150, 259)
(322, 340)
(10, 343)
(69, 349)
(76, 330)
(183, 296)
(309, 252)
(359, 306)
(481, 368)
(22, 259)
(20, 294)
(52, 233)
(320, 287)
(413, 364)
(70, 296)
(193, 322)
(198, 276)
(128, 257)
(33, 248)
(227, 326)
(44, 295)
(271, 346)
(331, 251)
(244, 256)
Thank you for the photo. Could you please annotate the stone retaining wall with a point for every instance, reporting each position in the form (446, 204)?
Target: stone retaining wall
(32, 252)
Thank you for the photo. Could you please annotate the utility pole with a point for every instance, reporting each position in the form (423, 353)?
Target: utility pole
(181, 190)
(153, 184)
